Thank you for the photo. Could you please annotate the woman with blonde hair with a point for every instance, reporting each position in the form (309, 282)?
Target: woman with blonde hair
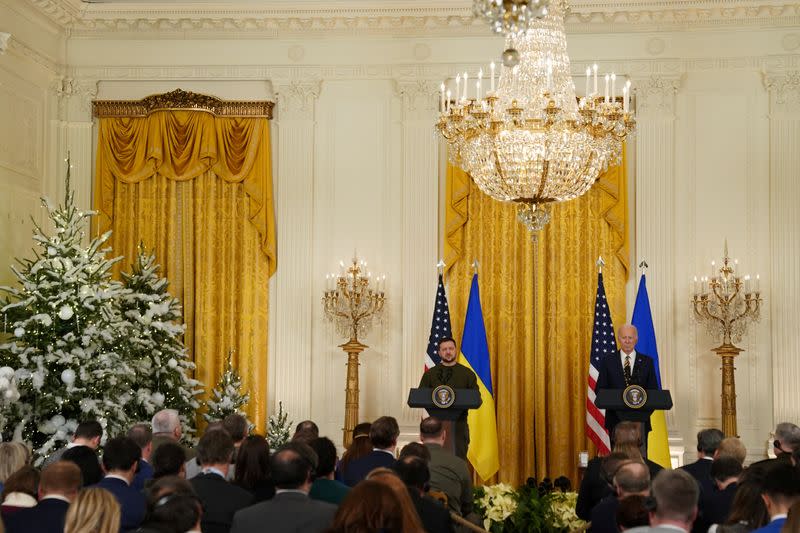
(93, 511)
(385, 476)
(13, 456)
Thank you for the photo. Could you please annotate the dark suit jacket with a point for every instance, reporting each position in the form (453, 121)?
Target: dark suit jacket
(594, 488)
(287, 512)
(220, 500)
(145, 472)
(604, 515)
(434, 516)
(46, 517)
(612, 376)
(701, 471)
(130, 500)
(714, 506)
(358, 469)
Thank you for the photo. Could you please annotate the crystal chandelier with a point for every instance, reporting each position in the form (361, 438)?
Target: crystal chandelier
(528, 139)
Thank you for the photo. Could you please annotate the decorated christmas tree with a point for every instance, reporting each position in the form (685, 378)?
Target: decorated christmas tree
(279, 428)
(68, 347)
(227, 397)
(159, 356)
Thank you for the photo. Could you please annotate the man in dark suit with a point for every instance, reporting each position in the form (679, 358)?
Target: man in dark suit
(88, 433)
(221, 500)
(630, 479)
(142, 435)
(383, 433)
(58, 486)
(415, 474)
(291, 510)
(623, 368)
(715, 504)
(708, 441)
(120, 458)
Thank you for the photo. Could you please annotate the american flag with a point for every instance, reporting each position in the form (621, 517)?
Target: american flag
(440, 326)
(603, 344)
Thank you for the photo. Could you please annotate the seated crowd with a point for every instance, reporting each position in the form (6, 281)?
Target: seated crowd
(716, 494)
(148, 482)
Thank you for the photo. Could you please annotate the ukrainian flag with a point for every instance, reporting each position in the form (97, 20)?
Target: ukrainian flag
(657, 441)
(482, 452)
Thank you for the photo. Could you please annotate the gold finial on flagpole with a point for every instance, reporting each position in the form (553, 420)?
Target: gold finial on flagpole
(475, 265)
(643, 265)
(440, 266)
(600, 264)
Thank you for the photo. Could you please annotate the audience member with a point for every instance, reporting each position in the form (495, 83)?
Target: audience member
(120, 458)
(88, 433)
(390, 478)
(169, 460)
(221, 499)
(166, 426)
(731, 447)
(193, 467)
(58, 486)
(142, 435)
(13, 456)
(252, 468)
(413, 471)
(305, 432)
(708, 440)
(626, 442)
(370, 507)
(172, 507)
(87, 460)
(715, 504)
(360, 447)
(19, 491)
(631, 478)
(748, 511)
(94, 510)
(449, 474)
(383, 434)
(415, 449)
(597, 482)
(237, 427)
(291, 509)
(632, 512)
(675, 494)
(781, 488)
(325, 488)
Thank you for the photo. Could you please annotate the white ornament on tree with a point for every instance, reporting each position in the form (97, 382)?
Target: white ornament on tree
(19, 332)
(65, 313)
(68, 376)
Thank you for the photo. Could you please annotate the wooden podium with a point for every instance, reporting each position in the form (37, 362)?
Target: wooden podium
(461, 401)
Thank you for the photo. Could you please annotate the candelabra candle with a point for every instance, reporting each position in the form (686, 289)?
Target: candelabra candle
(353, 301)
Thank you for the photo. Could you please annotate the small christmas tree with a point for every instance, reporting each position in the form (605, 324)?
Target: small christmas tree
(68, 349)
(226, 398)
(278, 428)
(159, 356)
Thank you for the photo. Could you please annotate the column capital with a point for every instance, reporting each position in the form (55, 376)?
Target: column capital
(784, 90)
(418, 96)
(296, 98)
(75, 97)
(655, 94)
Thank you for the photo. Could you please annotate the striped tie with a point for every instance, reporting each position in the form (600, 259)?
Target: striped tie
(627, 369)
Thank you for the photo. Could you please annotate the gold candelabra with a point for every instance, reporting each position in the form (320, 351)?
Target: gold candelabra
(352, 300)
(727, 304)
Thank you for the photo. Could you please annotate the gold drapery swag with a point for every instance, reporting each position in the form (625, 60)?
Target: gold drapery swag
(198, 189)
(538, 306)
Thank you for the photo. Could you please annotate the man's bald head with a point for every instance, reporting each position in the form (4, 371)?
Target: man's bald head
(632, 478)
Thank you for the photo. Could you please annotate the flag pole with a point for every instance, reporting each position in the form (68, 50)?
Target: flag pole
(475, 265)
(600, 264)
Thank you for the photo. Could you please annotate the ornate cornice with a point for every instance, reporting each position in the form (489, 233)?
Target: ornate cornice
(327, 18)
(179, 99)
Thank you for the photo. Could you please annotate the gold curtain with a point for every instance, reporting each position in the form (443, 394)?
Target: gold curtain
(538, 305)
(198, 189)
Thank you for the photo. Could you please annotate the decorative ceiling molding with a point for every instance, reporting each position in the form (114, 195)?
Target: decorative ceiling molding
(420, 18)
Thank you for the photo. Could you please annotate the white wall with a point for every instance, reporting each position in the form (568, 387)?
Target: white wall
(357, 166)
